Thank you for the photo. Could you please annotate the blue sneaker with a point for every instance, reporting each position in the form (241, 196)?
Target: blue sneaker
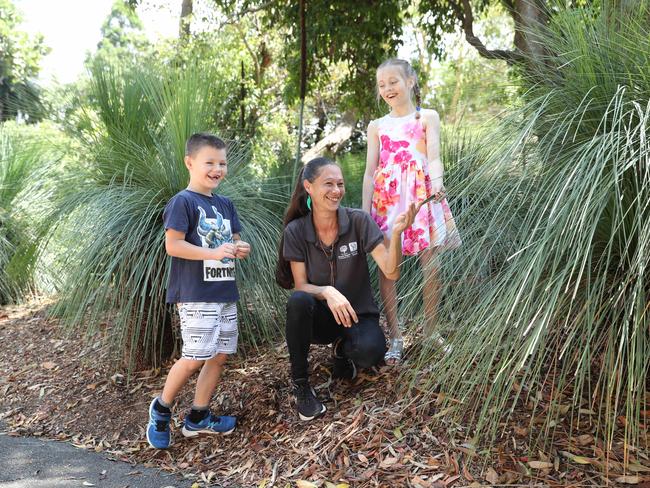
(212, 424)
(158, 435)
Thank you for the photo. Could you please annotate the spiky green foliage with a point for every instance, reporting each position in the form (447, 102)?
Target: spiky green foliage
(116, 269)
(548, 297)
(24, 159)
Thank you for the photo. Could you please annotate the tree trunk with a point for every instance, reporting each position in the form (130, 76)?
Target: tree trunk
(453, 109)
(186, 19)
(303, 79)
(332, 141)
(4, 97)
(242, 97)
(144, 352)
(529, 17)
(322, 120)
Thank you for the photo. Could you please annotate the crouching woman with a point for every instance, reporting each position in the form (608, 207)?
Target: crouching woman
(322, 256)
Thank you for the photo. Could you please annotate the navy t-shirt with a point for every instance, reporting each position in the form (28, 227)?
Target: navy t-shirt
(207, 222)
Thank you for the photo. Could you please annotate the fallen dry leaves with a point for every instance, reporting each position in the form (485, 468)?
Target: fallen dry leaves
(56, 387)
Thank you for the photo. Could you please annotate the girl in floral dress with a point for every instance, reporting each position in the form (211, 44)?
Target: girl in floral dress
(403, 166)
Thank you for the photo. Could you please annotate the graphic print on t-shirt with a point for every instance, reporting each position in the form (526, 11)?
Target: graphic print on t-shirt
(213, 233)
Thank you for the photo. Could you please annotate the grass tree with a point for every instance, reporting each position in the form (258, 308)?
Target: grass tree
(116, 267)
(25, 155)
(548, 298)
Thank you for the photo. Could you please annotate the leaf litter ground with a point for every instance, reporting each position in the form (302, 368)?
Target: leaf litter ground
(58, 387)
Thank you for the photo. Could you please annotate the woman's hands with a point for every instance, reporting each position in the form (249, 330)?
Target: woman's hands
(389, 258)
(405, 219)
(340, 307)
(343, 312)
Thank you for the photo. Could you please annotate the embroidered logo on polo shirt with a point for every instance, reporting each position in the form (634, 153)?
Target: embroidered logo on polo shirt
(347, 251)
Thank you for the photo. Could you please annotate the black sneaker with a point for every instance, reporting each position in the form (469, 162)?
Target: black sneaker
(343, 369)
(309, 407)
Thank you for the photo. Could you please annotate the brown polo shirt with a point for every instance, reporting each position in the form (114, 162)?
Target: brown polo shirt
(358, 236)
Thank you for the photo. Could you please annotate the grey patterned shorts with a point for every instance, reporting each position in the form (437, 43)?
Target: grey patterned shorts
(208, 329)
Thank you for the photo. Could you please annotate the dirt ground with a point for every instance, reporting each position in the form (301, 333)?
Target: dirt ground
(61, 387)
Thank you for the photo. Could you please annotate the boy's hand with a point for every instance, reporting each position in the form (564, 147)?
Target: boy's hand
(405, 219)
(226, 250)
(242, 249)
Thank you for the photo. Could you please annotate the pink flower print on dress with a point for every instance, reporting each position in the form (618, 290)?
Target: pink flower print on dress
(427, 183)
(414, 241)
(421, 185)
(422, 218)
(420, 192)
(403, 158)
(382, 209)
(392, 146)
(383, 157)
(382, 222)
(414, 130)
(392, 185)
(380, 178)
(386, 196)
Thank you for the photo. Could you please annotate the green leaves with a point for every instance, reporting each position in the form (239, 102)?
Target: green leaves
(343, 38)
(547, 298)
(111, 218)
(25, 157)
(20, 55)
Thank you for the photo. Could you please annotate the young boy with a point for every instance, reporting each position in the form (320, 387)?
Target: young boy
(202, 236)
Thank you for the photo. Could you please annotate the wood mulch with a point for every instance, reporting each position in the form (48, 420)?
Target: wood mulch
(63, 388)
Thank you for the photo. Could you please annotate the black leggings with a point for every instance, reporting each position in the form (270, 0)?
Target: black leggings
(310, 321)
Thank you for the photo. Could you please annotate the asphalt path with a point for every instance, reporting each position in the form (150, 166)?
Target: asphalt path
(29, 462)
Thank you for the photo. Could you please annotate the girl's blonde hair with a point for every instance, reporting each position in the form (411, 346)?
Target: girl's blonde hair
(407, 72)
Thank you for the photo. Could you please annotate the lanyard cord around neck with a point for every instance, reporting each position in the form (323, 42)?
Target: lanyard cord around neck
(328, 251)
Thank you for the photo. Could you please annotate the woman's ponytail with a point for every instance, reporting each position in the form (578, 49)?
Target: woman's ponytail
(297, 208)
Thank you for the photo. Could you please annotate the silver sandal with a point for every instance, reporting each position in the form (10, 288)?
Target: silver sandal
(440, 342)
(394, 354)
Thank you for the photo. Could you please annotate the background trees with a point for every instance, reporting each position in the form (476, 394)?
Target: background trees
(20, 56)
(545, 305)
(123, 37)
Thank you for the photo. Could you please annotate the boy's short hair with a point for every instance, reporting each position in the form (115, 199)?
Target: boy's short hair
(200, 139)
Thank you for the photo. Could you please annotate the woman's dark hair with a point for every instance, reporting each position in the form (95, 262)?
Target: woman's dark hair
(297, 208)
